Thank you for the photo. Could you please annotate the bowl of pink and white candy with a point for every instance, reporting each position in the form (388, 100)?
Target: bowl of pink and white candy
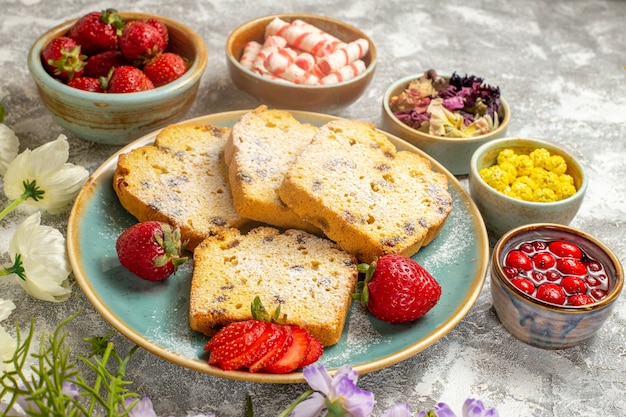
(301, 61)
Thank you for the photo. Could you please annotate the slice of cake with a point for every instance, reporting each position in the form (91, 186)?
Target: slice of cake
(182, 180)
(309, 277)
(262, 146)
(370, 199)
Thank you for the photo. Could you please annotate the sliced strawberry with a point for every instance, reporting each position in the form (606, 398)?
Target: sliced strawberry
(316, 349)
(294, 355)
(274, 336)
(283, 342)
(249, 345)
(232, 340)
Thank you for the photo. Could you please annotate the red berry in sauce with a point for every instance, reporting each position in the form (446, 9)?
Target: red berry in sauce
(593, 266)
(551, 293)
(510, 272)
(518, 259)
(538, 276)
(565, 249)
(543, 261)
(571, 266)
(580, 300)
(526, 247)
(524, 284)
(553, 275)
(598, 294)
(573, 285)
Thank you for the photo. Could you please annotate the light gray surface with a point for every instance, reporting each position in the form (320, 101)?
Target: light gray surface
(560, 65)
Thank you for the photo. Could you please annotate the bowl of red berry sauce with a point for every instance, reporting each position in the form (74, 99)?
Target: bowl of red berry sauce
(553, 286)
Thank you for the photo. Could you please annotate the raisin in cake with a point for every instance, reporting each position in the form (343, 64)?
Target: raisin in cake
(369, 198)
(310, 277)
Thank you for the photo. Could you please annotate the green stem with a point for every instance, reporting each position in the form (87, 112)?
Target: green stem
(16, 268)
(12, 206)
(298, 400)
(30, 191)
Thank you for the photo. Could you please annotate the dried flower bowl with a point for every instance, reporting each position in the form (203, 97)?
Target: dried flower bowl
(326, 99)
(118, 119)
(502, 213)
(544, 324)
(452, 153)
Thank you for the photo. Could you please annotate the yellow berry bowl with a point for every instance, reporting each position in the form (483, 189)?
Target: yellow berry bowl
(502, 212)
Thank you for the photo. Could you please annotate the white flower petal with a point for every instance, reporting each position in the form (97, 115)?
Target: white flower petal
(44, 258)
(7, 350)
(48, 167)
(6, 307)
(9, 147)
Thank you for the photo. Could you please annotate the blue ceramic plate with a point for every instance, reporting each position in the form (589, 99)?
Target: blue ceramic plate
(155, 315)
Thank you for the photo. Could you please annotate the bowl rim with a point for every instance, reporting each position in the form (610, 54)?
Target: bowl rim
(186, 81)
(432, 138)
(536, 143)
(259, 78)
(598, 305)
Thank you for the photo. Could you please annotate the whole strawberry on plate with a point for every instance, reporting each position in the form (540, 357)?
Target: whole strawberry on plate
(263, 344)
(151, 250)
(397, 289)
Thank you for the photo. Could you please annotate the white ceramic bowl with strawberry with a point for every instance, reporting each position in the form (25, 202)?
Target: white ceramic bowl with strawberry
(313, 63)
(117, 117)
(553, 286)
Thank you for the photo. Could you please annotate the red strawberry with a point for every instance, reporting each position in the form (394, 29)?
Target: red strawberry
(397, 289)
(97, 31)
(151, 250)
(165, 68)
(160, 26)
(62, 58)
(315, 351)
(277, 350)
(100, 65)
(234, 340)
(141, 41)
(87, 84)
(128, 79)
(294, 355)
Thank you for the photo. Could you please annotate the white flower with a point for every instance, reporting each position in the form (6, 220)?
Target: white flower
(6, 306)
(44, 258)
(7, 343)
(9, 147)
(48, 167)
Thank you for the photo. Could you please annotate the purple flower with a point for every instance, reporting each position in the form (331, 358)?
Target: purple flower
(476, 408)
(143, 407)
(471, 408)
(398, 410)
(338, 395)
(70, 389)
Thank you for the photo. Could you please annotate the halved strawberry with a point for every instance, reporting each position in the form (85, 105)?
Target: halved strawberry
(316, 349)
(294, 355)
